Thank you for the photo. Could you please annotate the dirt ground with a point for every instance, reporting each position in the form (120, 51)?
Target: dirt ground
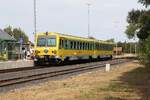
(124, 82)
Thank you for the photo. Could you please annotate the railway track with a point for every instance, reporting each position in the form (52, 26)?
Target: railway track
(22, 76)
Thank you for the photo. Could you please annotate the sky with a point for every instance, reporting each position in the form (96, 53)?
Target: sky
(107, 17)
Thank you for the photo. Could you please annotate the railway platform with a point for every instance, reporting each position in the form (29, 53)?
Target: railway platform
(125, 56)
(15, 64)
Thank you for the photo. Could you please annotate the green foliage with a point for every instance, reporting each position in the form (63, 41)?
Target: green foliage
(145, 51)
(128, 47)
(110, 40)
(146, 3)
(17, 33)
(133, 16)
(139, 24)
(131, 29)
(9, 30)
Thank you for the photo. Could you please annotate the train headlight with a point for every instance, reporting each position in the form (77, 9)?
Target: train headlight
(45, 51)
(36, 51)
(54, 52)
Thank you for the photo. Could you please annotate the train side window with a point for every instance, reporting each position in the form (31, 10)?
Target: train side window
(60, 44)
(75, 45)
(88, 46)
(102, 47)
(68, 43)
(96, 46)
(108, 47)
(78, 45)
(111, 47)
(65, 44)
(83, 46)
(105, 46)
(72, 44)
(92, 46)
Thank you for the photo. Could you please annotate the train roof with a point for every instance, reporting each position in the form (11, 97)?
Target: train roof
(76, 37)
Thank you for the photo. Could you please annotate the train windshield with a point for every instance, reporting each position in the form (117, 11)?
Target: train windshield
(51, 42)
(41, 42)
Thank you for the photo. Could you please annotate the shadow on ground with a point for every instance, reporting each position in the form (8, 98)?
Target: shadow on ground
(138, 80)
(132, 85)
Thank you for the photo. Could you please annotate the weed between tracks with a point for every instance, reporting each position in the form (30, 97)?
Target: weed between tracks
(129, 82)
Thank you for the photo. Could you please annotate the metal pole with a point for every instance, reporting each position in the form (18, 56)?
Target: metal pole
(116, 48)
(130, 49)
(35, 30)
(135, 47)
(88, 19)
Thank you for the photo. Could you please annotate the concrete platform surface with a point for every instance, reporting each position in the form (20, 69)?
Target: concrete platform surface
(15, 64)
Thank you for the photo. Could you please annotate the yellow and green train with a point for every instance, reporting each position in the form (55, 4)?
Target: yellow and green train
(54, 47)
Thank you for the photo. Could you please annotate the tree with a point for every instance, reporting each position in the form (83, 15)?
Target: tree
(9, 30)
(139, 24)
(17, 33)
(110, 40)
(146, 3)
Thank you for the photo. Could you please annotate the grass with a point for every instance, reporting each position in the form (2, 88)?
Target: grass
(129, 82)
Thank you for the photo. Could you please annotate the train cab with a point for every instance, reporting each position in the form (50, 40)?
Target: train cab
(46, 48)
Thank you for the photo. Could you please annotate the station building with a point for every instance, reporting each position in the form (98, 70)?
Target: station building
(118, 50)
(8, 46)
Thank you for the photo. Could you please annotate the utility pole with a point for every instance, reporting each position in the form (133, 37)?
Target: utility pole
(130, 48)
(88, 4)
(35, 21)
(135, 47)
(116, 48)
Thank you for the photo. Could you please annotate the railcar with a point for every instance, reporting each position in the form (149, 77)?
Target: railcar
(55, 48)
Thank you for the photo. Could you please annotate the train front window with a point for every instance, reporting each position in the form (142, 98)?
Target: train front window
(41, 42)
(51, 42)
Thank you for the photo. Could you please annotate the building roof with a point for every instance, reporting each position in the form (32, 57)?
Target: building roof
(6, 36)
